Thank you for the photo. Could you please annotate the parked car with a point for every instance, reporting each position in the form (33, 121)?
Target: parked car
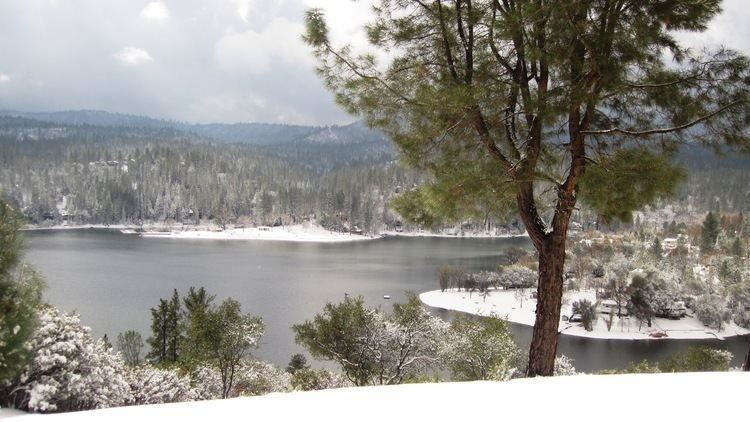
(677, 310)
(575, 318)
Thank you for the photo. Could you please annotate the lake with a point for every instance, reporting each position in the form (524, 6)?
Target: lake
(112, 280)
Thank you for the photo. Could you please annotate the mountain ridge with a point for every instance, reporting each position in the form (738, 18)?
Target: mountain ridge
(246, 133)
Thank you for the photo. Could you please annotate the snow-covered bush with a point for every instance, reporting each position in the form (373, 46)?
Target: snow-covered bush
(739, 303)
(207, 383)
(372, 347)
(564, 366)
(70, 370)
(518, 276)
(151, 385)
(480, 349)
(255, 378)
(504, 371)
(307, 379)
(711, 310)
(252, 378)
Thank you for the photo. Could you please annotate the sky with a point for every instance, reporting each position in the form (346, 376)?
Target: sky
(196, 60)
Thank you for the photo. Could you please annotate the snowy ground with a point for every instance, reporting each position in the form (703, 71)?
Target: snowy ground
(614, 398)
(506, 305)
(453, 235)
(80, 226)
(296, 233)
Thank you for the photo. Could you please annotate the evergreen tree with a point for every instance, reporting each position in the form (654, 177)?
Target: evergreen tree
(657, 249)
(197, 305)
(709, 233)
(502, 102)
(737, 249)
(296, 363)
(159, 336)
(166, 331)
(106, 343)
(174, 327)
(20, 296)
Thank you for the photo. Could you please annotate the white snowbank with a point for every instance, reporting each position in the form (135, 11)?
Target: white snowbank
(80, 226)
(613, 398)
(504, 304)
(295, 233)
(472, 235)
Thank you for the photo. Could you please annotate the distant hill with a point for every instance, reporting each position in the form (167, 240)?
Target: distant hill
(93, 118)
(248, 133)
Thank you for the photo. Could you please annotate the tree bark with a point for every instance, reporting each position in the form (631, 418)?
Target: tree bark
(543, 347)
(746, 366)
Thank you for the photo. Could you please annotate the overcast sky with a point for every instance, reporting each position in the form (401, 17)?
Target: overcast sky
(196, 60)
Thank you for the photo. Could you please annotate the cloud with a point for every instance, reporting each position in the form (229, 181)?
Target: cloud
(155, 11)
(223, 60)
(256, 52)
(243, 8)
(133, 56)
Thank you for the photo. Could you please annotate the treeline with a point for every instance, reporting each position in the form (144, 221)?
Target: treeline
(133, 175)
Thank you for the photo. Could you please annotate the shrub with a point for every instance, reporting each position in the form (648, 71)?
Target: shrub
(150, 385)
(309, 379)
(444, 275)
(697, 359)
(517, 276)
(711, 310)
(564, 366)
(587, 310)
(479, 349)
(70, 370)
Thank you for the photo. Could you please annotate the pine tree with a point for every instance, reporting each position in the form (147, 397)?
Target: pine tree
(709, 233)
(159, 336)
(20, 296)
(656, 249)
(296, 363)
(167, 331)
(106, 343)
(525, 106)
(174, 327)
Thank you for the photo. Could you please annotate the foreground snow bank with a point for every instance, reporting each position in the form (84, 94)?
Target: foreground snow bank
(506, 304)
(688, 397)
(295, 233)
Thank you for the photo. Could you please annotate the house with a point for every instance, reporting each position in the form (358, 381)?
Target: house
(609, 306)
(669, 244)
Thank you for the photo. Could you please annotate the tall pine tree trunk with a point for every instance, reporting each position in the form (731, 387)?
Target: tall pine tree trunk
(543, 346)
(550, 244)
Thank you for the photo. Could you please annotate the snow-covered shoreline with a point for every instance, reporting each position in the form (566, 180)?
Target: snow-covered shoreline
(466, 235)
(504, 304)
(306, 232)
(295, 233)
(81, 227)
(677, 396)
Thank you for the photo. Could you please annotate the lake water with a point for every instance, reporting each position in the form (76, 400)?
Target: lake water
(112, 280)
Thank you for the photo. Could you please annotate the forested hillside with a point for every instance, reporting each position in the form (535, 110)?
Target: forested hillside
(105, 174)
(96, 167)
